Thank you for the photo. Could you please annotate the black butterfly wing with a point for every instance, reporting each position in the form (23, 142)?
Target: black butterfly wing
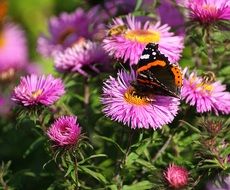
(165, 78)
(154, 71)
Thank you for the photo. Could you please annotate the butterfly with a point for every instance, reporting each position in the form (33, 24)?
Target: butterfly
(156, 75)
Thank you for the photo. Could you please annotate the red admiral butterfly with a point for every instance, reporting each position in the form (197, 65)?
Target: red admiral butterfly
(156, 75)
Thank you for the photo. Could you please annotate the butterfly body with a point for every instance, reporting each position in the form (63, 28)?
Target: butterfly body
(156, 75)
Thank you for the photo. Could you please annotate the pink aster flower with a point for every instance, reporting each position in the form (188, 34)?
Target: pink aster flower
(206, 95)
(176, 176)
(122, 104)
(65, 131)
(129, 45)
(81, 57)
(34, 90)
(68, 28)
(207, 11)
(13, 50)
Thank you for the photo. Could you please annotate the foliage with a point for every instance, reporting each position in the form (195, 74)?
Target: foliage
(109, 155)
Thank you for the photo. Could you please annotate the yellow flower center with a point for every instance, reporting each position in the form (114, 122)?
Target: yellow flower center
(209, 8)
(131, 97)
(205, 86)
(36, 93)
(143, 36)
(2, 40)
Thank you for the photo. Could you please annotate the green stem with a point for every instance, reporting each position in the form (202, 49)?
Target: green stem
(3, 183)
(76, 172)
(118, 177)
(163, 148)
(86, 93)
(66, 109)
(209, 46)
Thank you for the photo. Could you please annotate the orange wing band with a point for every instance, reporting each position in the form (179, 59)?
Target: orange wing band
(151, 64)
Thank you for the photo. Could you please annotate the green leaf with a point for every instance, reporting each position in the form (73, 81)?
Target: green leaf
(73, 176)
(132, 157)
(143, 185)
(91, 157)
(70, 169)
(111, 141)
(191, 126)
(141, 149)
(31, 174)
(78, 97)
(33, 146)
(145, 164)
(138, 5)
(112, 187)
(96, 175)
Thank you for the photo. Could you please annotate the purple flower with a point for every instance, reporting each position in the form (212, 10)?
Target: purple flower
(224, 185)
(34, 90)
(13, 49)
(81, 57)
(65, 131)
(122, 104)
(173, 17)
(34, 68)
(129, 44)
(207, 11)
(122, 7)
(206, 95)
(67, 29)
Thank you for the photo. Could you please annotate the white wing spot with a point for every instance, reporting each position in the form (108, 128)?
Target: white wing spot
(145, 56)
(154, 53)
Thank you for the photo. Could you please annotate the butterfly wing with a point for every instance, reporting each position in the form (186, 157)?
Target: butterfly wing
(154, 72)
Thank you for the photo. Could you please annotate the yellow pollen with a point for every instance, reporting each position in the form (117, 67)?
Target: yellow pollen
(2, 40)
(131, 97)
(143, 36)
(36, 93)
(205, 86)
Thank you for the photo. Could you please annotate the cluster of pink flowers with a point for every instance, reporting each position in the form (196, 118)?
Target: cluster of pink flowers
(75, 47)
(128, 46)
